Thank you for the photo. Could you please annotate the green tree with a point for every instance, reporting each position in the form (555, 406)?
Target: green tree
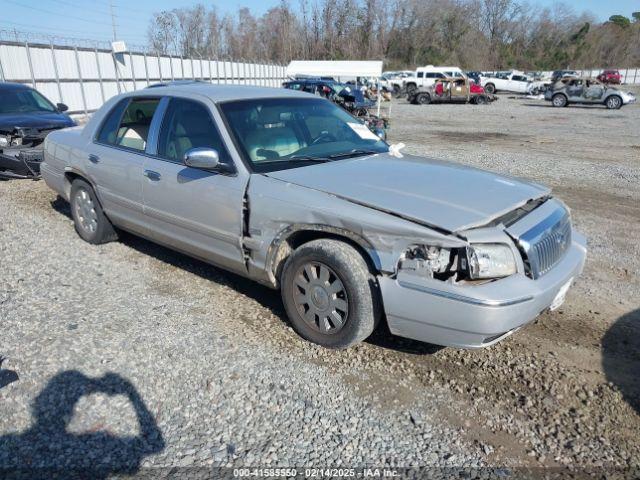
(636, 16)
(620, 20)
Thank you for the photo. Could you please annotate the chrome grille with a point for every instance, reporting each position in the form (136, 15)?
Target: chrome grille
(546, 244)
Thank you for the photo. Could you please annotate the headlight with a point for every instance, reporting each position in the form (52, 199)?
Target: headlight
(9, 141)
(490, 260)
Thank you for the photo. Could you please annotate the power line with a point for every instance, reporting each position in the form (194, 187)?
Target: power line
(49, 12)
(64, 31)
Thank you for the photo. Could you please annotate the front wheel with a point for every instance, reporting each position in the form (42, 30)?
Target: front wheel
(614, 102)
(559, 100)
(490, 88)
(481, 100)
(329, 294)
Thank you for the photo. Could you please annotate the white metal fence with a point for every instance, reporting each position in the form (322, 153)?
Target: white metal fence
(84, 78)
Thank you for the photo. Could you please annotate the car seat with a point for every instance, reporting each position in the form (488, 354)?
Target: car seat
(272, 136)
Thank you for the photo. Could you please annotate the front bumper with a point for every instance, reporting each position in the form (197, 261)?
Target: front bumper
(22, 162)
(474, 316)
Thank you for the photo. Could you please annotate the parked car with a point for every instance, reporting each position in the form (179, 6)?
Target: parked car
(587, 91)
(347, 96)
(287, 189)
(426, 76)
(610, 76)
(451, 90)
(560, 74)
(26, 117)
(515, 81)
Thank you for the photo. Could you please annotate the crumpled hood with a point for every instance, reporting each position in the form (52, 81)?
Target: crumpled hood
(442, 194)
(8, 121)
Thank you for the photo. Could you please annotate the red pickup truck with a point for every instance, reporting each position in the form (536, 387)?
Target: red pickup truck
(610, 76)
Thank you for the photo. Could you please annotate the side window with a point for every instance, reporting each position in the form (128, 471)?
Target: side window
(420, 74)
(109, 128)
(186, 125)
(133, 127)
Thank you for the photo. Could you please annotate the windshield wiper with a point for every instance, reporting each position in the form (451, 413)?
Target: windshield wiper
(307, 158)
(353, 153)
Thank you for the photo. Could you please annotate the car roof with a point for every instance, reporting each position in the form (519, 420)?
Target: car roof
(13, 86)
(222, 93)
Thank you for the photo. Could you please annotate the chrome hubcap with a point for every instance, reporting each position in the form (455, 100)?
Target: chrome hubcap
(85, 211)
(320, 298)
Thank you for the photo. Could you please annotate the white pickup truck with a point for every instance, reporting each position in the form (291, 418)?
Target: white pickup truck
(514, 81)
(427, 76)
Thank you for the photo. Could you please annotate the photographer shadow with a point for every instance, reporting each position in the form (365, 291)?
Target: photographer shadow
(48, 450)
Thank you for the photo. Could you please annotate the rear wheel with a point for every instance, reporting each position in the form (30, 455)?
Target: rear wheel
(559, 100)
(490, 88)
(613, 102)
(329, 294)
(90, 221)
(481, 100)
(411, 88)
(423, 98)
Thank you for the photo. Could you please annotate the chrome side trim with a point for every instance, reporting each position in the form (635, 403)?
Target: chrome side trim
(463, 298)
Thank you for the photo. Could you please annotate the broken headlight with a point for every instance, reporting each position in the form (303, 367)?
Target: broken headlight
(490, 260)
(430, 262)
(9, 141)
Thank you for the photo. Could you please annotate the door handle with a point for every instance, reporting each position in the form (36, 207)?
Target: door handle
(94, 158)
(151, 175)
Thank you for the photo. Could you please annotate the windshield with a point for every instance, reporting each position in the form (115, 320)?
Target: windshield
(24, 101)
(280, 133)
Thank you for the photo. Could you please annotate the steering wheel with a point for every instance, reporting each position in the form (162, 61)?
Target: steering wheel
(324, 137)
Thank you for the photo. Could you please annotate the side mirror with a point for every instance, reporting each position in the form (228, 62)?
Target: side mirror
(206, 159)
(62, 107)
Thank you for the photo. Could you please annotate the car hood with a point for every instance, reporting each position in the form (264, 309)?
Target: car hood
(40, 120)
(440, 194)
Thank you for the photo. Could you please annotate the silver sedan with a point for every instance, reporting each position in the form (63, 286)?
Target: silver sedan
(289, 190)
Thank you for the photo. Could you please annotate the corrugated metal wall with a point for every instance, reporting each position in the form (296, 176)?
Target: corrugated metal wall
(85, 78)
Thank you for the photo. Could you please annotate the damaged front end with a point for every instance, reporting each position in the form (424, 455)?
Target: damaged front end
(22, 152)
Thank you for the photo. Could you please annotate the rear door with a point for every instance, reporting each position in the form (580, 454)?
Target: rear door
(115, 164)
(193, 210)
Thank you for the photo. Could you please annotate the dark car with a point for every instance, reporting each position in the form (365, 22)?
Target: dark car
(26, 117)
(560, 74)
(346, 95)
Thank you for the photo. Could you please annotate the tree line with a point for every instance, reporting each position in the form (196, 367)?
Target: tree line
(474, 34)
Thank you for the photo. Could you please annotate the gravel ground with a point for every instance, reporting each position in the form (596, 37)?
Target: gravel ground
(131, 355)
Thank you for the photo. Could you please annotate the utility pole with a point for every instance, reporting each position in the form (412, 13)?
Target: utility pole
(113, 20)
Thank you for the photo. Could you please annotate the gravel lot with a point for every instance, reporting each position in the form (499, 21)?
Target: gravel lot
(131, 355)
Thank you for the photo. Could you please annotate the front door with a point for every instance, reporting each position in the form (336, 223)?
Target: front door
(116, 162)
(197, 211)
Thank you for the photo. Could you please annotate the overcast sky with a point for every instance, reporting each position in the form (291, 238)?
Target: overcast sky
(91, 18)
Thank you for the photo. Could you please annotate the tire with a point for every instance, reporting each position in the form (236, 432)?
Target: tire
(396, 90)
(613, 102)
(89, 220)
(329, 294)
(423, 98)
(411, 88)
(481, 100)
(559, 100)
(490, 88)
